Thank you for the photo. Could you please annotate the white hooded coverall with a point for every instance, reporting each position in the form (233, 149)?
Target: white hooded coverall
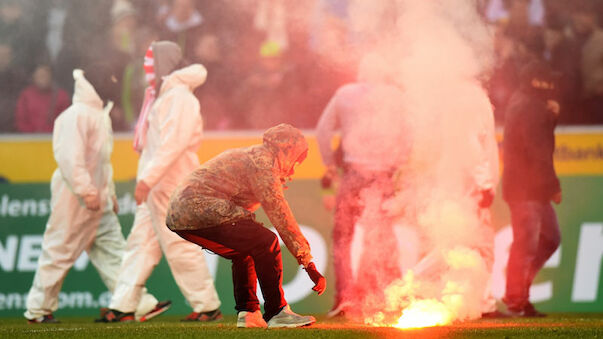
(82, 145)
(169, 154)
(478, 140)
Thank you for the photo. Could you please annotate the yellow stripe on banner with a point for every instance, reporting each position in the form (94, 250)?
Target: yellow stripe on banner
(579, 154)
(30, 159)
(26, 160)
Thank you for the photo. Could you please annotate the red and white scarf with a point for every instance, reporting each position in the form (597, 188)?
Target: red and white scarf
(140, 132)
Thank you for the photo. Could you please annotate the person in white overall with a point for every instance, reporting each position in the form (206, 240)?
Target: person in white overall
(83, 203)
(168, 135)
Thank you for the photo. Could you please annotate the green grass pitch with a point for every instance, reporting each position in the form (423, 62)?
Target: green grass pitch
(169, 326)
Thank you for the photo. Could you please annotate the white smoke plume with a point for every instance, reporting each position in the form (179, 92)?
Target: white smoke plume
(438, 53)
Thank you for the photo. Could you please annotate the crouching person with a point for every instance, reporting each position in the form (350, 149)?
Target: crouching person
(214, 208)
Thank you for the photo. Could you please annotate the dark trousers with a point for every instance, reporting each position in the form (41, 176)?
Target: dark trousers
(255, 254)
(536, 236)
(348, 209)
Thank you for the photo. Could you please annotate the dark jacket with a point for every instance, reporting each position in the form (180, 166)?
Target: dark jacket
(528, 146)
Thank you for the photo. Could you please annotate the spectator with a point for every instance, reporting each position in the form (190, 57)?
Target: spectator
(232, 22)
(124, 24)
(530, 184)
(518, 12)
(590, 38)
(182, 24)
(18, 26)
(516, 52)
(263, 94)
(220, 80)
(563, 55)
(12, 81)
(274, 91)
(118, 46)
(40, 103)
(84, 32)
(134, 83)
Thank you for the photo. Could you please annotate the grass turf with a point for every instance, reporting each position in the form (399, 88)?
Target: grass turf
(166, 326)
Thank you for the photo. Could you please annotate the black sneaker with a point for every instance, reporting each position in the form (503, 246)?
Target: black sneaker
(527, 311)
(495, 315)
(161, 307)
(45, 319)
(531, 312)
(115, 316)
(214, 315)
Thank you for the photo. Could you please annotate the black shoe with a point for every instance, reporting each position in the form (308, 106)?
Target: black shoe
(214, 315)
(45, 319)
(527, 311)
(531, 312)
(495, 315)
(161, 307)
(115, 316)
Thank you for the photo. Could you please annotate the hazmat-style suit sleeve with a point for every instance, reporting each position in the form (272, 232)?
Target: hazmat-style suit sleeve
(487, 171)
(177, 127)
(69, 141)
(325, 131)
(110, 182)
(269, 191)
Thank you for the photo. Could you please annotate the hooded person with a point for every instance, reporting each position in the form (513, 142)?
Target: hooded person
(168, 135)
(530, 183)
(83, 203)
(214, 208)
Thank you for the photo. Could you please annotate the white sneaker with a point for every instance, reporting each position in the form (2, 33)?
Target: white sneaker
(288, 318)
(251, 319)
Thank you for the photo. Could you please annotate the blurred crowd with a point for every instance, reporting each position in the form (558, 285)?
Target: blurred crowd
(269, 61)
(567, 36)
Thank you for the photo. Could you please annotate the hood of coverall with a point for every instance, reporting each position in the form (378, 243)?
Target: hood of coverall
(287, 143)
(84, 92)
(167, 56)
(191, 76)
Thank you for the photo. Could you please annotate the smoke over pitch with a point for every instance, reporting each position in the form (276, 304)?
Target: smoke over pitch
(437, 52)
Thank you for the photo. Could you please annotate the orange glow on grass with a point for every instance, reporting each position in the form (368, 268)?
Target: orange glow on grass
(424, 313)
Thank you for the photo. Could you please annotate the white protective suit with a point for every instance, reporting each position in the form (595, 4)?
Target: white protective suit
(487, 173)
(482, 168)
(169, 154)
(82, 145)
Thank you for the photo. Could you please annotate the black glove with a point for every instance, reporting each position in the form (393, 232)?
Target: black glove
(320, 283)
(326, 181)
(486, 199)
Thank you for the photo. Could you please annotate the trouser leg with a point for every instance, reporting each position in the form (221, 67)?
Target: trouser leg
(69, 231)
(486, 251)
(244, 279)
(141, 256)
(347, 211)
(526, 223)
(549, 239)
(187, 261)
(237, 242)
(106, 255)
